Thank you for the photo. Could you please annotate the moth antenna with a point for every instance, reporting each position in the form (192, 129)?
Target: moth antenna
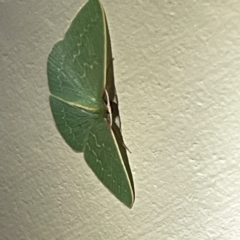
(109, 108)
(124, 145)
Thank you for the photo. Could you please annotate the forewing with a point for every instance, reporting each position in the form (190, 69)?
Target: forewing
(104, 158)
(77, 65)
(72, 122)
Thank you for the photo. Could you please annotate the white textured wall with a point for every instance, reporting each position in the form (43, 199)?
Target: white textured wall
(177, 70)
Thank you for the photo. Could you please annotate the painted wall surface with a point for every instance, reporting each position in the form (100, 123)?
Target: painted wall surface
(177, 72)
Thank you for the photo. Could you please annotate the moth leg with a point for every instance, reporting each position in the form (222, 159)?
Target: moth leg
(108, 106)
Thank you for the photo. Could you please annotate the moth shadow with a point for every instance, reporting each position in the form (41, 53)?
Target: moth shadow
(116, 120)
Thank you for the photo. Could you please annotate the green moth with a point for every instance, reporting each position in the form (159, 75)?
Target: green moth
(83, 99)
